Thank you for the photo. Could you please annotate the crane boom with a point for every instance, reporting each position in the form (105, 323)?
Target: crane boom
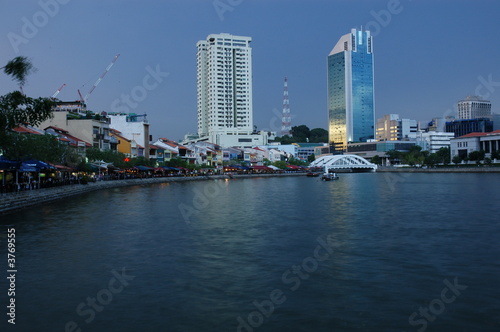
(100, 78)
(59, 90)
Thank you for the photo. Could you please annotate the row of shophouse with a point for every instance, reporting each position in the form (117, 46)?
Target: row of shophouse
(128, 133)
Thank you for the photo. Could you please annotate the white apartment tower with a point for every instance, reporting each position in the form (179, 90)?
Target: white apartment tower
(224, 81)
(473, 107)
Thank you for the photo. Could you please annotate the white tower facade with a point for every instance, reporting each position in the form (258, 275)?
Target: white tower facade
(224, 83)
(473, 107)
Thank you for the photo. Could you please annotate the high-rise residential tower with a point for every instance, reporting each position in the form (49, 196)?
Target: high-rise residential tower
(351, 103)
(224, 81)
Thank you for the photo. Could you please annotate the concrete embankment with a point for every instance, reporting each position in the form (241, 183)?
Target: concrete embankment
(10, 202)
(441, 170)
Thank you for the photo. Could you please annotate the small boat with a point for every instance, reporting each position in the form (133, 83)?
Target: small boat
(327, 176)
(312, 174)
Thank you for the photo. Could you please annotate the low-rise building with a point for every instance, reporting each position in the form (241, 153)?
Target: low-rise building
(432, 141)
(134, 127)
(487, 142)
(89, 127)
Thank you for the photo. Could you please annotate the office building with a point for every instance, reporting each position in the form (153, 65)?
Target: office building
(473, 107)
(391, 128)
(467, 126)
(351, 105)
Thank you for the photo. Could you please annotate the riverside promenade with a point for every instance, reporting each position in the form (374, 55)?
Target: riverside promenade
(9, 202)
(482, 169)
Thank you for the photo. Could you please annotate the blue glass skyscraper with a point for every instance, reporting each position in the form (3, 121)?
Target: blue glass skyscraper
(351, 104)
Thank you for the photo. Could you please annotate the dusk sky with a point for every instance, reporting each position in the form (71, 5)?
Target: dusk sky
(428, 54)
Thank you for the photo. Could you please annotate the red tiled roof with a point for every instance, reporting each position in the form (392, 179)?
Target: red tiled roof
(473, 135)
(173, 144)
(26, 130)
(494, 132)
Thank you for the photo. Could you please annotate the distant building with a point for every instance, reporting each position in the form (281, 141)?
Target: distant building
(473, 107)
(432, 141)
(467, 126)
(371, 149)
(391, 128)
(351, 107)
(487, 142)
(134, 127)
(463, 145)
(304, 150)
(88, 127)
(437, 124)
(224, 85)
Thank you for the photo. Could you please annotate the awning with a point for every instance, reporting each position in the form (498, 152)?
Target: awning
(259, 167)
(34, 166)
(7, 164)
(144, 168)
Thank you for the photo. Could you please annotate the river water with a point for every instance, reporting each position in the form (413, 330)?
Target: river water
(369, 252)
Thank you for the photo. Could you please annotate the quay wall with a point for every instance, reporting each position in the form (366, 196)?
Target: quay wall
(10, 202)
(441, 170)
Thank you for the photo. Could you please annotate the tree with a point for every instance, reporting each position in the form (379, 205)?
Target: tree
(17, 109)
(19, 68)
(42, 147)
(476, 155)
(301, 133)
(415, 156)
(432, 159)
(495, 154)
(456, 160)
(266, 162)
(311, 158)
(394, 155)
(443, 155)
(285, 139)
(318, 135)
(281, 164)
(296, 161)
(376, 159)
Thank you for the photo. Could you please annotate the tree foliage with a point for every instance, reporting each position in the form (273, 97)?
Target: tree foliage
(302, 133)
(19, 68)
(16, 108)
(456, 160)
(318, 135)
(495, 154)
(476, 155)
(376, 159)
(118, 159)
(41, 147)
(281, 164)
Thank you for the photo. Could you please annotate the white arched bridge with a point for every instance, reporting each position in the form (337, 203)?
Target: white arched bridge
(344, 162)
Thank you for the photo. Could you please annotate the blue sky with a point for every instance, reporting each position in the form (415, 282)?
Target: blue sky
(428, 54)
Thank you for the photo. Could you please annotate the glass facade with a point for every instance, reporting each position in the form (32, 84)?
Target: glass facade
(351, 113)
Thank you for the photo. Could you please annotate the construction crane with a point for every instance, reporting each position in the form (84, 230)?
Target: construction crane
(84, 99)
(59, 90)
